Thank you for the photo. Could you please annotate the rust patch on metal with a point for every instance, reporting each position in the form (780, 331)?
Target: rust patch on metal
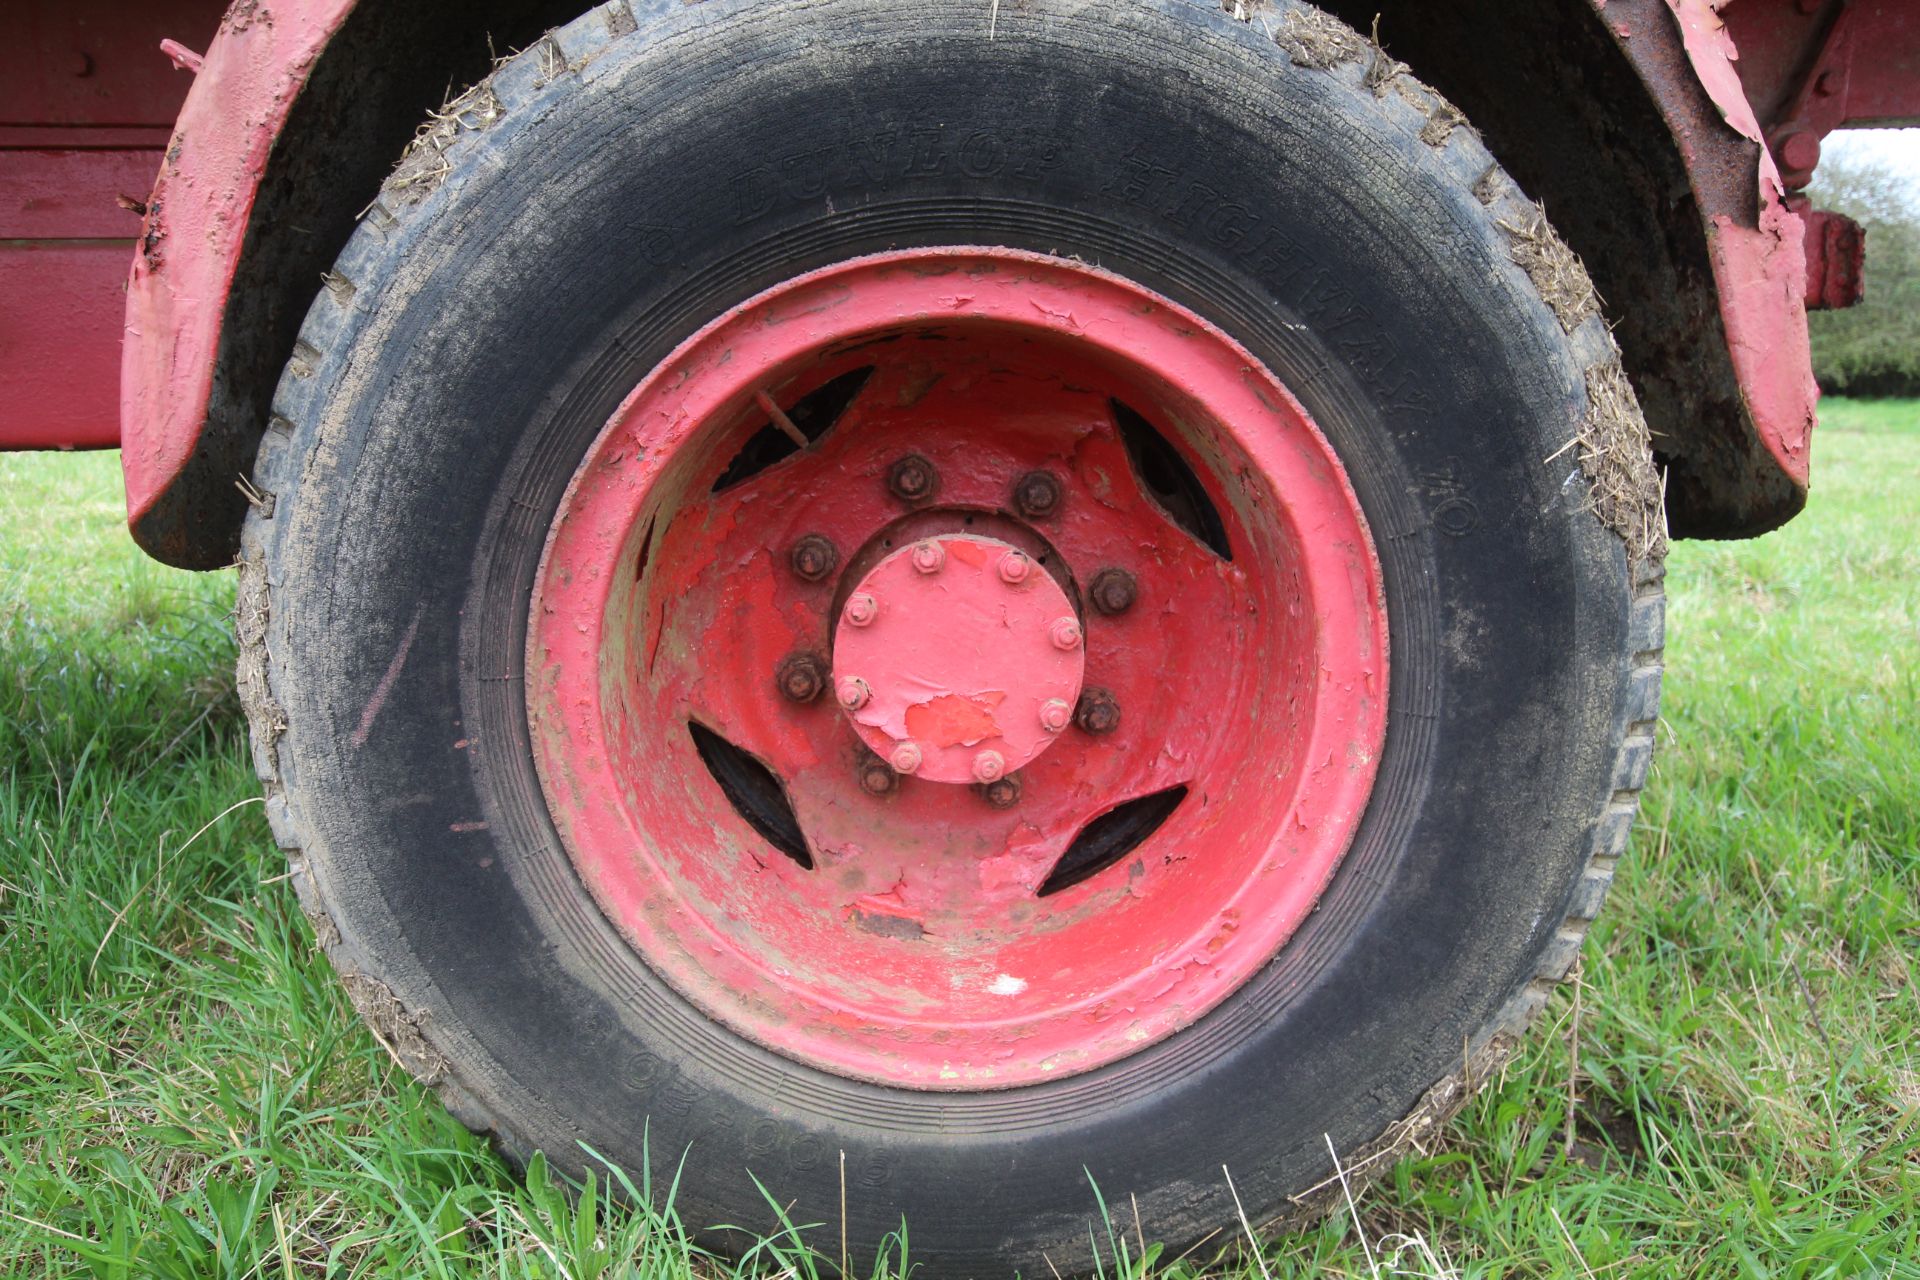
(884, 925)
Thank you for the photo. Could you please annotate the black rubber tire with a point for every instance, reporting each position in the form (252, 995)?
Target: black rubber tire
(637, 172)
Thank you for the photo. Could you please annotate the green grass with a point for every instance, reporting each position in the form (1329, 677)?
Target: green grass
(185, 1092)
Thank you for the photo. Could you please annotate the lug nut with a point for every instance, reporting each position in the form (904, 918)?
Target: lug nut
(1036, 494)
(861, 609)
(905, 757)
(929, 556)
(801, 676)
(852, 692)
(1065, 633)
(912, 479)
(1002, 793)
(876, 778)
(1113, 591)
(1014, 568)
(1098, 711)
(1055, 715)
(813, 558)
(988, 766)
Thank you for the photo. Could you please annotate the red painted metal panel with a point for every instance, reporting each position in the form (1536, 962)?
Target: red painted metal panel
(1870, 50)
(196, 225)
(73, 195)
(86, 105)
(1836, 258)
(64, 246)
(59, 348)
(92, 64)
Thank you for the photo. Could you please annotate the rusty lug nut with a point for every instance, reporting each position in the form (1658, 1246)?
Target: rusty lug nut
(1055, 715)
(813, 558)
(929, 556)
(1065, 633)
(877, 778)
(801, 676)
(861, 609)
(852, 692)
(1002, 793)
(912, 478)
(1036, 494)
(1113, 591)
(1098, 711)
(989, 766)
(905, 757)
(1015, 568)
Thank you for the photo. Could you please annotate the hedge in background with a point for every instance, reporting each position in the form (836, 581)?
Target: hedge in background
(1873, 349)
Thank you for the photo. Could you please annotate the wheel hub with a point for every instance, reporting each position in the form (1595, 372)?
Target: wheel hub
(980, 762)
(958, 659)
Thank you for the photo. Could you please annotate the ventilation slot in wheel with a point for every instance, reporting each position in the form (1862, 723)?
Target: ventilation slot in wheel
(1173, 484)
(814, 413)
(754, 792)
(1110, 837)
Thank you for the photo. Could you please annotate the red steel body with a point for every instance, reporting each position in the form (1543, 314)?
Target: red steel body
(88, 97)
(87, 103)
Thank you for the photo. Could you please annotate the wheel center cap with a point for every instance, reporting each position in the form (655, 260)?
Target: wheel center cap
(958, 659)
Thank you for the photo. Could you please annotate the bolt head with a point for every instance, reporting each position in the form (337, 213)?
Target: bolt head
(1801, 151)
(812, 558)
(861, 609)
(912, 478)
(1065, 633)
(1002, 793)
(801, 676)
(1015, 568)
(1097, 712)
(876, 777)
(1036, 494)
(1055, 715)
(929, 556)
(989, 766)
(1113, 591)
(852, 692)
(905, 757)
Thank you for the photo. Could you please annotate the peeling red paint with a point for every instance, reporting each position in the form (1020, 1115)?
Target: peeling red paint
(1836, 251)
(1759, 262)
(955, 720)
(958, 658)
(915, 950)
(195, 228)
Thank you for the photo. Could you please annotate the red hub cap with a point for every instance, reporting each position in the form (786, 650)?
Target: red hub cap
(958, 668)
(958, 659)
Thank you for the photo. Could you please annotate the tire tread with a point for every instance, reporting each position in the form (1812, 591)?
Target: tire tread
(537, 78)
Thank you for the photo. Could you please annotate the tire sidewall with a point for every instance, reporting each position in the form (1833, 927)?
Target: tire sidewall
(497, 323)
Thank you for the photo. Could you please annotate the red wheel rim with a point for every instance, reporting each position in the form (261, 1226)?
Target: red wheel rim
(906, 916)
